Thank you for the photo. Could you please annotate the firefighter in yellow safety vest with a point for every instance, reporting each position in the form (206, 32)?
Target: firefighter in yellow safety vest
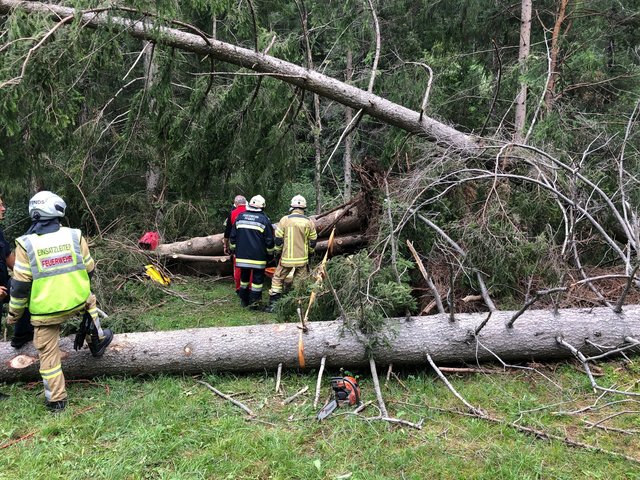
(52, 278)
(295, 237)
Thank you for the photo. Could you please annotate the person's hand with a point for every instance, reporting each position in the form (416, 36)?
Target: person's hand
(3, 293)
(226, 250)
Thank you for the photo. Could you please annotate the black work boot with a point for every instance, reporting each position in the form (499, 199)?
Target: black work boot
(243, 293)
(56, 407)
(272, 302)
(19, 341)
(254, 300)
(98, 345)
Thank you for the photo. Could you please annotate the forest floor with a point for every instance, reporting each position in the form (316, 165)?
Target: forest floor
(172, 427)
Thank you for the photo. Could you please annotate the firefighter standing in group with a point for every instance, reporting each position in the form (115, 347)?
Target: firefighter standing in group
(239, 206)
(295, 237)
(251, 241)
(52, 273)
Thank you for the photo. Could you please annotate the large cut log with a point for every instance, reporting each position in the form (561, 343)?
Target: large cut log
(346, 220)
(221, 264)
(144, 29)
(263, 347)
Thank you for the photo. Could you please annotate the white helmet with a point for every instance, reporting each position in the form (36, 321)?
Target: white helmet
(298, 202)
(45, 205)
(258, 202)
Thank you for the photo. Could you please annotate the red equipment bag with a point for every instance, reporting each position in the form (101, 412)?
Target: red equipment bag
(149, 241)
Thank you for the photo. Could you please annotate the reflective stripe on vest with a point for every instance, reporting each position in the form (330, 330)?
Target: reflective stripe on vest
(60, 280)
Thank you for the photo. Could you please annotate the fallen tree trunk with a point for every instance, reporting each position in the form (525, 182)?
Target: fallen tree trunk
(221, 264)
(263, 347)
(378, 107)
(346, 220)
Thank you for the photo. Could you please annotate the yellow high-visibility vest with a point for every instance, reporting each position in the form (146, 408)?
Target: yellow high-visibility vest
(60, 282)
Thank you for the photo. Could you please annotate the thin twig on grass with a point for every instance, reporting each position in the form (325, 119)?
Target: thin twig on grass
(518, 367)
(474, 410)
(295, 395)
(540, 434)
(610, 352)
(614, 415)
(472, 370)
(611, 429)
(594, 407)
(399, 421)
(228, 398)
(16, 440)
(585, 363)
(400, 381)
(389, 370)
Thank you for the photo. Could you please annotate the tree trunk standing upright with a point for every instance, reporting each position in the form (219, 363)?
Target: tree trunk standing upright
(154, 167)
(348, 141)
(318, 149)
(523, 54)
(554, 73)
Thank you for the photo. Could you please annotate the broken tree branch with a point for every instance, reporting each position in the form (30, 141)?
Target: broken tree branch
(228, 398)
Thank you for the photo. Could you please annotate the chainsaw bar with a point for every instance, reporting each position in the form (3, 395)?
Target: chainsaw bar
(327, 409)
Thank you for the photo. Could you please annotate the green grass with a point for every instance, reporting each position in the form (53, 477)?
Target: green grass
(171, 427)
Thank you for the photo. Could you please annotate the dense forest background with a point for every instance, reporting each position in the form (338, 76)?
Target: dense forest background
(137, 135)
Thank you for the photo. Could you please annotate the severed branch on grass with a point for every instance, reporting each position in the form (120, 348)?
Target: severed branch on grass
(319, 382)
(278, 377)
(295, 395)
(474, 410)
(376, 386)
(585, 363)
(228, 398)
(398, 421)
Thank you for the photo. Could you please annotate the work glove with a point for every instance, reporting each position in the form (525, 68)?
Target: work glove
(12, 318)
(83, 330)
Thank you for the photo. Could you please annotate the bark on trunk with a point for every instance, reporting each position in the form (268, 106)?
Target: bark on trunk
(378, 107)
(554, 74)
(346, 220)
(523, 54)
(221, 264)
(263, 347)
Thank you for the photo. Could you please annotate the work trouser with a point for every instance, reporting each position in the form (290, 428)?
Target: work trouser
(277, 282)
(236, 274)
(46, 339)
(251, 280)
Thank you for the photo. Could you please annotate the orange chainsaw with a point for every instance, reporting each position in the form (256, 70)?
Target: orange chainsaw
(346, 392)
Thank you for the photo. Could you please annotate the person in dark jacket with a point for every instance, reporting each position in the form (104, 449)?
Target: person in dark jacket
(239, 206)
(23, 330)
(251, 240)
